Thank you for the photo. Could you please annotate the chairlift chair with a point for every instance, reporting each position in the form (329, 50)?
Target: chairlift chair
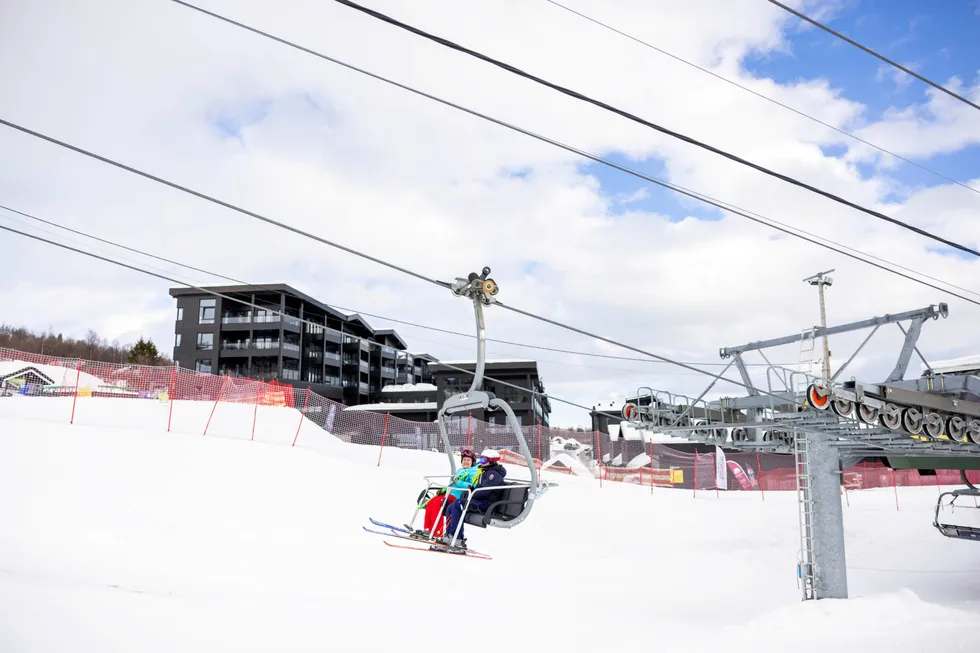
(952, 530)
(517, 496)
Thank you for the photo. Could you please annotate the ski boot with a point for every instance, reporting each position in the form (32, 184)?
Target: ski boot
(419, 534)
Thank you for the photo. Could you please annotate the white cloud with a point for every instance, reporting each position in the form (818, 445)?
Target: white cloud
(372, 167)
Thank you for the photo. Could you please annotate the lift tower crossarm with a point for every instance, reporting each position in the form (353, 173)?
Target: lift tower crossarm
(932, 311)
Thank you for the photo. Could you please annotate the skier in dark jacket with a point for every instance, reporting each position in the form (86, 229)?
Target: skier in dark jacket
(492, 474)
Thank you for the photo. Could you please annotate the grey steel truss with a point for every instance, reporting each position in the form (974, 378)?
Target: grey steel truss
(822, 421)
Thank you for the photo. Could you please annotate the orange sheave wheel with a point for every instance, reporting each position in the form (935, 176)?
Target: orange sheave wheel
(815, 399)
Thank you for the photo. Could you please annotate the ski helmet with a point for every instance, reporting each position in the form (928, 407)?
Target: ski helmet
(488, 457)
(466, 452)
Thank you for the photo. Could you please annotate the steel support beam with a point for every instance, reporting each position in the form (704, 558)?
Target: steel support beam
(754, 415)
(934, 312)
(830, 564)
(911, 336)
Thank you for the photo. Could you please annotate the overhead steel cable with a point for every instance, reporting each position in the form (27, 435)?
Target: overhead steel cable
(268, 220)
(882, 57)
(646, 123)
(354, 310)
(763, 96)
(281, 313)
(410, 323)
(588, 155)
(441, 284)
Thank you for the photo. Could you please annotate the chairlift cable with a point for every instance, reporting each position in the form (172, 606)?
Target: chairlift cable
(277, 312)
(652, 125)
(882, 57)
(441, 284)
(354, 310)
(769, 222)
(734, 83)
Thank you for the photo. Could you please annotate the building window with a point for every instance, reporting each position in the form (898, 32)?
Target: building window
(180, 313)
(203, 366)
(177, 340)
(206, 315)
(205, 341)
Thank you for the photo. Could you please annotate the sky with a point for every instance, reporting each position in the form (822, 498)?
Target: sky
(188, 98)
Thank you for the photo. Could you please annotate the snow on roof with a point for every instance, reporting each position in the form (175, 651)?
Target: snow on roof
(398, 408)
(961, 364)
(630, 432)
(406, 387)
(59, 374)
(472, 361)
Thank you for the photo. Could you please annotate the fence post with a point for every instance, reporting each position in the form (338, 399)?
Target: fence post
(758, 473)
(302, 413)
(695, 474)
(383, 434)
(598, 446)
(651, 465)
(173, 389)
(894, 485)
(220, 392)
(539, 447)
(78, 375)
(255, 411)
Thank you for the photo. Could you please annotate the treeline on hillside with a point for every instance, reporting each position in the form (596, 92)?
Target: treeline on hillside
(92, 347)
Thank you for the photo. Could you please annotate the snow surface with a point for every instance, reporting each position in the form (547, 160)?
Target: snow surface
(116, 535)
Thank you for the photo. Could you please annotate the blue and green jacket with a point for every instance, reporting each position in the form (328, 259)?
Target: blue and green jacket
(465, 477)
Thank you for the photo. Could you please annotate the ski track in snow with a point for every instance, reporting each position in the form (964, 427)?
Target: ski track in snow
(114, 538)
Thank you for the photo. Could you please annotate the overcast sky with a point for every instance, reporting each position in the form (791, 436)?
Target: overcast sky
(226, 112)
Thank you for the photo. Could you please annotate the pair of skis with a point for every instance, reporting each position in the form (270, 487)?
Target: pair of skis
(405, 534)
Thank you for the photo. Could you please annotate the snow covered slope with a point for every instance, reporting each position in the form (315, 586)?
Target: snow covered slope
(122, 539)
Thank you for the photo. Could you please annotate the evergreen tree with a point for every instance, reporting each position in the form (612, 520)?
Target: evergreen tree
(144, 352)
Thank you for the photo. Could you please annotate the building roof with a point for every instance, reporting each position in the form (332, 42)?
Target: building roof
(260, 288)
(394, 334)
(355, 317)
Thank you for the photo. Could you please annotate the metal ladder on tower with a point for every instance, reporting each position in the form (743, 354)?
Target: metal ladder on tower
(806, 571)
(805, 366)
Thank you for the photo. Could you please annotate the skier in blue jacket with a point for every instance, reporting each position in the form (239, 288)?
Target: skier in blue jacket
(466, 477)
(491, 474)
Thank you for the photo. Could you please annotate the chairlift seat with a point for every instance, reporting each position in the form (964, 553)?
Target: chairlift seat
(510, 506)
(960, 532)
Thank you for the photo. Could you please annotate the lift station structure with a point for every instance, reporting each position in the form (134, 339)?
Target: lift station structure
(930, 422)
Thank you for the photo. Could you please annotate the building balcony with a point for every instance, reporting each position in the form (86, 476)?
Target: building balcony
(389, 351)
(236, 318)
(292, 323)
(266, 344)
(332, 336)
(266, 319)
(331, 356)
